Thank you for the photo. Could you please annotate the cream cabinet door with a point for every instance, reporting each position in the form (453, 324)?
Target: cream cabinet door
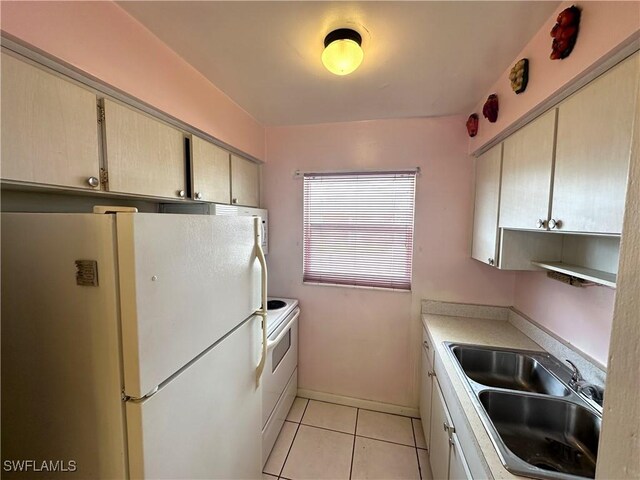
(210, 172)
(439, 453)
(527, 169)
(245, 182)
(595, 126)
(144, 156)
(49, 128)
(485, 220)
(426, 395)
(458, 468)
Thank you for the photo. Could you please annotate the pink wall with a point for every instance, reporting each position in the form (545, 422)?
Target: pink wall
(103, 40)
(582, 317)
(604, 27)
(362, 343)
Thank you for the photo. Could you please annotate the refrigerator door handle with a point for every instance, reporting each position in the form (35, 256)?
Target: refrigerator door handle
(257, 223)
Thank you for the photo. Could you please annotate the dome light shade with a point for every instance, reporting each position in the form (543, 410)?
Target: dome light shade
(342, 51)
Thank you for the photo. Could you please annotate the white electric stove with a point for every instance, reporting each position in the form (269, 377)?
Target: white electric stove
(280, 377)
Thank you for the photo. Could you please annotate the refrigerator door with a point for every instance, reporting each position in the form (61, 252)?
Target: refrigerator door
(205, 422)
(185, 282)
(61, 377)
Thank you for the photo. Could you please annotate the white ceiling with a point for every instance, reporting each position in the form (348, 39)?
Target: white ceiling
(421, 58)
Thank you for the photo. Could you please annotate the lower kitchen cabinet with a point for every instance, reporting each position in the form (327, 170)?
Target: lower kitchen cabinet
(445, 452)
(458, 468)
(439, 454)
(426, 388)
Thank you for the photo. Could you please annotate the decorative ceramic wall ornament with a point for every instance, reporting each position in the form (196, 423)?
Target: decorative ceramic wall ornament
(519, 75)
(565, 33)
(472, 125)
(490, 109)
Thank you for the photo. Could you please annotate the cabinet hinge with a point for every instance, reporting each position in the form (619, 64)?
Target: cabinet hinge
(100, 114)
(104, 179)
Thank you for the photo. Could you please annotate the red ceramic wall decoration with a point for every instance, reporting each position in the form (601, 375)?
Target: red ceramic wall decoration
(490, 109)
(472, 125)
(519, 76)
(565, 33)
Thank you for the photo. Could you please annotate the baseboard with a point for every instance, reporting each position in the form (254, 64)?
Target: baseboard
(360, 403)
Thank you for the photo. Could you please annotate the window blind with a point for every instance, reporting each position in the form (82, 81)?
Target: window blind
(358, 228)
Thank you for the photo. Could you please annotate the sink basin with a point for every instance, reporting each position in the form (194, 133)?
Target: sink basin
(507, 369)
(550, 434)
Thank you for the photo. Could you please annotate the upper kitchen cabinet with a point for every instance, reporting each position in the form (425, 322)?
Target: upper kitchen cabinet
(527, 166)
(245, 182)
(595, 127)
(485, 220)
(144, 156)
(49, 128)
(210, 170)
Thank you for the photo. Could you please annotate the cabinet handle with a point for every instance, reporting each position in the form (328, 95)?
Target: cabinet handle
(541, 223)
(198, 195)
(431, 374)
(555, 224)
(426, 345)
(234, 200)
(181, 193)
(93, 181)
(449, 428)
(490, 261)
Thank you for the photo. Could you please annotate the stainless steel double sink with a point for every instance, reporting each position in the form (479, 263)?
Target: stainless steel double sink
(540, 427)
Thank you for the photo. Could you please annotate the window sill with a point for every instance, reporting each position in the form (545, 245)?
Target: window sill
(362, 287)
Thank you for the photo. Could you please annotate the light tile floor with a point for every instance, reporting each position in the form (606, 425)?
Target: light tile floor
(323, 440)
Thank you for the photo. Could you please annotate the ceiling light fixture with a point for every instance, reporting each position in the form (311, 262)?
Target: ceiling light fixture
(342, 51)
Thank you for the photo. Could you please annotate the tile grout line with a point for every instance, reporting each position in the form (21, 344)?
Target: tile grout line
(415, 441)
(353, 450)
(361, 436)
(360, 408)
(293, 440)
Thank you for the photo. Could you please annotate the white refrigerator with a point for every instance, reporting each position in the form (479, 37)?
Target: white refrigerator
(130, 343)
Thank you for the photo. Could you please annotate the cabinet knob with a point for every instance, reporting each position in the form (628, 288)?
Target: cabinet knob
(490, 261)
(181, 193)
(93, 181)
(198, 195)
(541, 223)
(555, 224)
(234, 200)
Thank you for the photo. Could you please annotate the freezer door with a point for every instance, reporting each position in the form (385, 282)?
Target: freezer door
(185, 282)
(61, 377)
(205, 422)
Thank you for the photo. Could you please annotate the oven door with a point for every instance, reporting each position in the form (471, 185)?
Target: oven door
(282, 359)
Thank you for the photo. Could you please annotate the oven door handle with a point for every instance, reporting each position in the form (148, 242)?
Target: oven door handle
(275, 341)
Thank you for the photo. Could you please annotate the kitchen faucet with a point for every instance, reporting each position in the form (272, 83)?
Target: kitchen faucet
(584, 388)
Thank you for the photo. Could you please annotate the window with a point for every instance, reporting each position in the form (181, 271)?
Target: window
(358, 228)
